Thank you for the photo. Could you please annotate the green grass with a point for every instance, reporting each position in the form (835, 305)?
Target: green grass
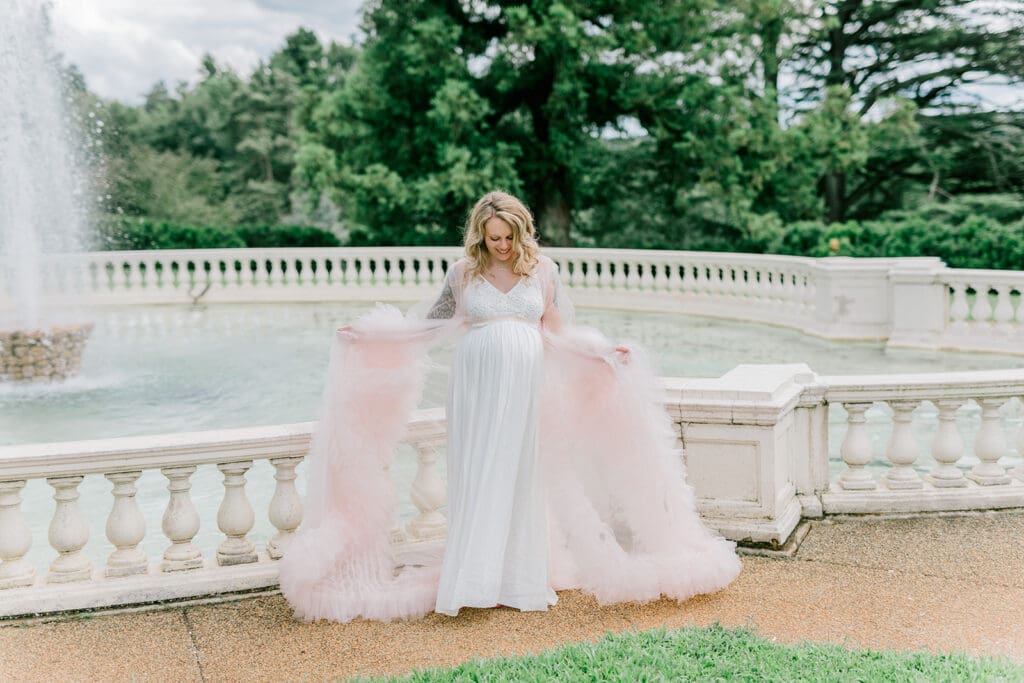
(719, 654)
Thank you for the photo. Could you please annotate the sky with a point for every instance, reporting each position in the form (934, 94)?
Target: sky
(125, 46)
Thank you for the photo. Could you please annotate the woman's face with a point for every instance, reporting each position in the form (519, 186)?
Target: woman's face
(498, 238)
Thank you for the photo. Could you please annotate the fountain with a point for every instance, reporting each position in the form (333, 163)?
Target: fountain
(42, 198)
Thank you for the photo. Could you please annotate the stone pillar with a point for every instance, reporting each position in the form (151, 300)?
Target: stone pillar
(181, 521)
(285, 507)
(126, 527)
(68, 533)
(235, 517)
(15, 538)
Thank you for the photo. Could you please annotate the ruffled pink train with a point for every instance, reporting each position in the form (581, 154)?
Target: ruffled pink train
(623, 521)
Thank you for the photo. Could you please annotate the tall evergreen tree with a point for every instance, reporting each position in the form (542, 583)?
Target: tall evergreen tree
(452, 99)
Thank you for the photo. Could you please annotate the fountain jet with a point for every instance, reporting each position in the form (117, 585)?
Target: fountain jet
(43, 190)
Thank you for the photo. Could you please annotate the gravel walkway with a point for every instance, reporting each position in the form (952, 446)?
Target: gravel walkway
(942, 584)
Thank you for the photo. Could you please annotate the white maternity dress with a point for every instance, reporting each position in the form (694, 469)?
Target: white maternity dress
(497, 548)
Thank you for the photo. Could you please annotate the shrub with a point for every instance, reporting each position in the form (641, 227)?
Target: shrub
(117, 233)
(977, 232)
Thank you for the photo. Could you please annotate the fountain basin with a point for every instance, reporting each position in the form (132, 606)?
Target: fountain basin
(42, 355)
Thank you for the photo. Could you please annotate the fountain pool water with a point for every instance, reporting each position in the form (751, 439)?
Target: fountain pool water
(164, 369)
(43, 191)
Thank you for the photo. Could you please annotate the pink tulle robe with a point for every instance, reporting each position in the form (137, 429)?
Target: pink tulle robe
(622, 522)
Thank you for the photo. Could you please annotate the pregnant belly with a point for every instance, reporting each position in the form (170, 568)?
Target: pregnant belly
(510, 345)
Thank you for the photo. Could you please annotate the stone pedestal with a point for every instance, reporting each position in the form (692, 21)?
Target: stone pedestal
(42, 355)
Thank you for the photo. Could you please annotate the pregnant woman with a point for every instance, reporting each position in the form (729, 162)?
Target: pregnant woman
(563, 469)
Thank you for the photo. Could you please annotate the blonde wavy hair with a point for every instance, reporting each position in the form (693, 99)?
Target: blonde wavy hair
(524, 236)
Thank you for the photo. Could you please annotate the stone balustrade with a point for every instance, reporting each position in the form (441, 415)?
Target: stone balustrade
(916, 443)
(184, 569)
(912, 302)
(755, 442)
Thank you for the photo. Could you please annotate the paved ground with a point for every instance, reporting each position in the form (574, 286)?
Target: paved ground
(943, 584)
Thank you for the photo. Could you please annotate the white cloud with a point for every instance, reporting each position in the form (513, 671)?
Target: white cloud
(123, 46)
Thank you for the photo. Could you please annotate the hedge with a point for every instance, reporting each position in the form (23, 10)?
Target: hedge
(116, 233)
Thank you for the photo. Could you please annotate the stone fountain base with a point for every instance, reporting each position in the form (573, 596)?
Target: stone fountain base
(42, 355)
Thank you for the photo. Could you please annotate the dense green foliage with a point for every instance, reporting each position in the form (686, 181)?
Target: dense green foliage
(659, 124)
(121, 233)
(719, 654)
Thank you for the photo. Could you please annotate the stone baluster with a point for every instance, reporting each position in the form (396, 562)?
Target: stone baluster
(982, 309)
(130, 273)
(235, 517)
(272, 267)
(180, 522)
(947, 448)
(583, 278)
(959, 309)
(15, 538)
(587, 274)
(700, 279)
(396, 272)
(419, 271)
(755, 284)
(593, 277)
(714, 281)
(902, 448)
(721, 275)
(360, 271)
(328, 271)
(145, 274)
(655, 272)
(68, 533)
(856, 450)
(740, 283)
(637, 277)
(160, 276)
(126, 527)
(225, 270)
(620, 279)
(288, 273)
(1002, 314)
(686, 276)
(428, 494)
(990, 445)
(571, 273)
(675, 281)
(233, 273)
(285, 507)
(343, 275)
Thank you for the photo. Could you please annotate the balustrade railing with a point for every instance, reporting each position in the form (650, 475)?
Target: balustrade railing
(183, 569)
(911, 443)
(985, 304)
(756, 443)
(909, 301)
(778, 289)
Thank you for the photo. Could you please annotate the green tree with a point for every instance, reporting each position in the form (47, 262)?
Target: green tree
(450, 100)
(924, 51)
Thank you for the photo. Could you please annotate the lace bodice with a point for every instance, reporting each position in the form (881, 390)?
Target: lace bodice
(525, 300)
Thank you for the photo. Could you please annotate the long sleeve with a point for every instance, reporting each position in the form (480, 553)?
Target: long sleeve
(444, 307)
